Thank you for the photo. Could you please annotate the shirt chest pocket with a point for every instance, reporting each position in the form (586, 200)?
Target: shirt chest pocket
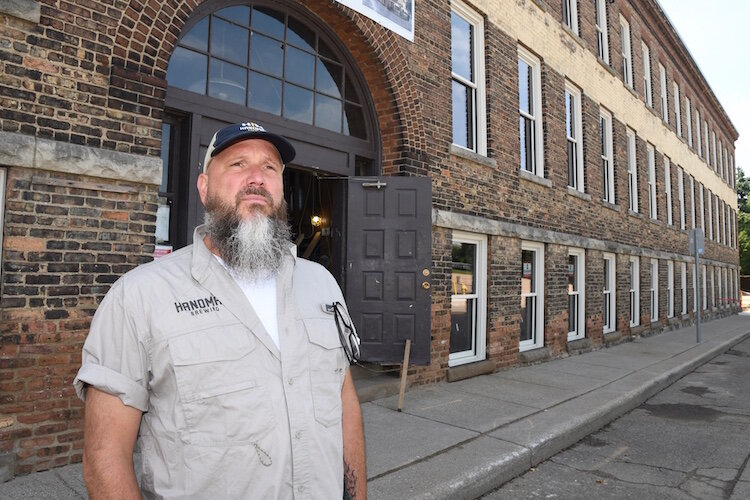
(327, 369)
(217, 376)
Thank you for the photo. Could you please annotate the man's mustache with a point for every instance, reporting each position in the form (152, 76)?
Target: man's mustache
(256, 191)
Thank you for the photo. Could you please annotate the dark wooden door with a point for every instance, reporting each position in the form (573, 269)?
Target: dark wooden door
(388, 247)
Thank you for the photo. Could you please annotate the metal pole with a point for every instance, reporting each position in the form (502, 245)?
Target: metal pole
(699, 304)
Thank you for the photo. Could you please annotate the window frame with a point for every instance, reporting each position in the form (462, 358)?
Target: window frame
(580, 294)
(653, 206)
(681, 195)
(537, 339)
(654, 290)
(626, 51)
(710, 216)
(698, 132)
(479, 351)
(602, 30)
(610, 294)
(664, 94)
(677, 111)
(570, 15)
(632, 162)
(670, 289)
(607, 158)
(668, 188)
(479, 145)
(704, 287)
(647, 90)
(689, 121)
(701, 196)
(635, 290)
(692, 200)
(683, 287)
(573, 100)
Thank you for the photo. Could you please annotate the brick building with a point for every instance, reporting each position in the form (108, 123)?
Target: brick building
(583, 147)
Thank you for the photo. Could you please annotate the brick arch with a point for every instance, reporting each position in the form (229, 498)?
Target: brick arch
(148, 33)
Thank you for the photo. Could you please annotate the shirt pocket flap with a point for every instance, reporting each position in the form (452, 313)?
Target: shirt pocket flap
(204, 347)
(323, 332)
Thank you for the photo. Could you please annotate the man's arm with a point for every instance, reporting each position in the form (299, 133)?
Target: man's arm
(355, 470)
(110, 431)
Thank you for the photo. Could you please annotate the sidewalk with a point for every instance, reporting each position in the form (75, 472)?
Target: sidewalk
(463, 439)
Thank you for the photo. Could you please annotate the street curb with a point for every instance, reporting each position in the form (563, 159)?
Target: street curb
(484, 478)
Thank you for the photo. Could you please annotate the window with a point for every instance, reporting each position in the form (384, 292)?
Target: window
(573, 130)
(703, 208)
(681, 196)
(627, 54)
(530, 111)
(705, 143)
(713, 149)
(3, 179)
(677, 113)
(698, 133)
(692, 201)
(683, 286)
(664, 97)
(689, 121)
(647, 94)
(467, 72)
(570, 15)
(654, 292)
(602, 34)
(668, 188)
(608, 174)
(720, 163)
(532, 296)
(635, 318)
(710, 217)
(576, 294)
(652, 207)
(695, 289)
(271, 62)
(713, 289)
(717, 232)
(632, 172)
(703, 287)
(608, 315)
(670, 289)
(720, 296)
(468, 298)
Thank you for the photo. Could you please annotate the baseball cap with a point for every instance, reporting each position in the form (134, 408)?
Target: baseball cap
(232, 134)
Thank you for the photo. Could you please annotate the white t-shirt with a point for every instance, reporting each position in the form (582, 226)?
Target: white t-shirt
(262, 297)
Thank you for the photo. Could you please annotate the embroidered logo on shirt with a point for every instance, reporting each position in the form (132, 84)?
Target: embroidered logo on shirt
(198, 306)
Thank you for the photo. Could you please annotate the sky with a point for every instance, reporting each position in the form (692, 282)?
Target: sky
(717, 34)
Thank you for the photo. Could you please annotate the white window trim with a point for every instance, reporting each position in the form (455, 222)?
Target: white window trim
(654, 290)
(720, 165)
(611, 294)
(580, 255)
(670, 289)
(677, 112)
(3, 183)
(717, 232)
(720, 287)
(710, 216)
(632, 171)
(695, 288)
(681, 195)
(664, 95)
(683, 282)
(635, 291)
(698, 133)
(535, 65)
(668, 188)
(703, 208)
(572, 11)
(602, 32)
(627, 52)
(692, 201)
(479, 352)
(706, 150)
(713, 289)
(608, 194)
(477, 22)
(577, 126)
(653, 208)
(689, 121)
(713, 150)
(647, 76)
(538, 341)
(703, 287)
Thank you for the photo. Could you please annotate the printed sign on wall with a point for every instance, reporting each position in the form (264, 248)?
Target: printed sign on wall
(396, 15)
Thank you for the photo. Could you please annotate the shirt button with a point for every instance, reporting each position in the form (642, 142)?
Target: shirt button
(298, 434)
(291, 381)
(300, 488)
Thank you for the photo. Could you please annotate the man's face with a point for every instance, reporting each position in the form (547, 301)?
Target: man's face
(246, 176)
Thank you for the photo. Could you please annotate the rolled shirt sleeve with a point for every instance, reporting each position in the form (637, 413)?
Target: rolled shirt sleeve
(114, 357)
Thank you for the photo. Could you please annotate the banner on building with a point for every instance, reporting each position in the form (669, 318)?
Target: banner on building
(396, 15)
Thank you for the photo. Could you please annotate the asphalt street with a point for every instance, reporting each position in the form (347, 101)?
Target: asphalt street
(692, 440)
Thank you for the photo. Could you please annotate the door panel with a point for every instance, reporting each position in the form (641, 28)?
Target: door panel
(388, 265)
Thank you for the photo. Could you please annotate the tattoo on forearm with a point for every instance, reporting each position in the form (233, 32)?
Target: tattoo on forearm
(350, 482)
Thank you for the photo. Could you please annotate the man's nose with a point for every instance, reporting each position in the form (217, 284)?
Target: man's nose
(254, 176)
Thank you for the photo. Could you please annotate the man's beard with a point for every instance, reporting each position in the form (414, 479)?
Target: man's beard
(252, 247)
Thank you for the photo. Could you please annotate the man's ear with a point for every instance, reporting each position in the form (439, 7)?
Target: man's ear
(203, 187)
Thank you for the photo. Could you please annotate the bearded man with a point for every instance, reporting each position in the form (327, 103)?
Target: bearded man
(223, 360)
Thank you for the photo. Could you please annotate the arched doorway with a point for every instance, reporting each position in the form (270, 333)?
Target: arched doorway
(277, 64)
